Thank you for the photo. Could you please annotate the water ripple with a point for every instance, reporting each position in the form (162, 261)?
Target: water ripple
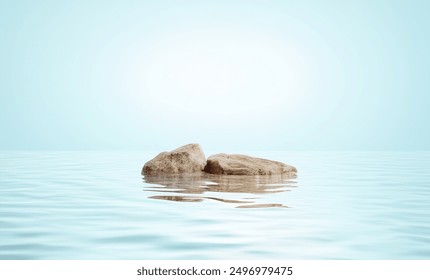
(94, 205)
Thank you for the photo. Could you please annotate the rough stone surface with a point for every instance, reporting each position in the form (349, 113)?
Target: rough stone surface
(245, 165)
(186, 159)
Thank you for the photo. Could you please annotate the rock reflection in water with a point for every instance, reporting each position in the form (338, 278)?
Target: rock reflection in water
(193, 187)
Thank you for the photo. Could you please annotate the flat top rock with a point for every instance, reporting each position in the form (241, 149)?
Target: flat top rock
(186, 159)
(245, 165)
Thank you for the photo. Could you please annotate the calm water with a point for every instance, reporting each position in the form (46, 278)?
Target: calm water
(96, 205)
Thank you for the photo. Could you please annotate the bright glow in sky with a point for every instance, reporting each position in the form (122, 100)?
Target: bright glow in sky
(231, 75)
(222, 75)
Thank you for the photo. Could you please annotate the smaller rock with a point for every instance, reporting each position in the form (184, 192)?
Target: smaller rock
(245, 165)
(186, 159)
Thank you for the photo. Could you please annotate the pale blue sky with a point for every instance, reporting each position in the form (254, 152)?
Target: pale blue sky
(231, 75)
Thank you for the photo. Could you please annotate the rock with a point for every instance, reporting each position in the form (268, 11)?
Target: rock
(245, 165)
(186, 159)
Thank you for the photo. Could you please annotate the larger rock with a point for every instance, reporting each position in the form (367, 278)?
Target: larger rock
(245, 165)
(186, 159)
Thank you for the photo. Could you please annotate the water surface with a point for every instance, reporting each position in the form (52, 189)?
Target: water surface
(96, 205)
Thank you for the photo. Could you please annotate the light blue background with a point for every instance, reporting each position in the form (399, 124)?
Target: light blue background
(158, 74)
